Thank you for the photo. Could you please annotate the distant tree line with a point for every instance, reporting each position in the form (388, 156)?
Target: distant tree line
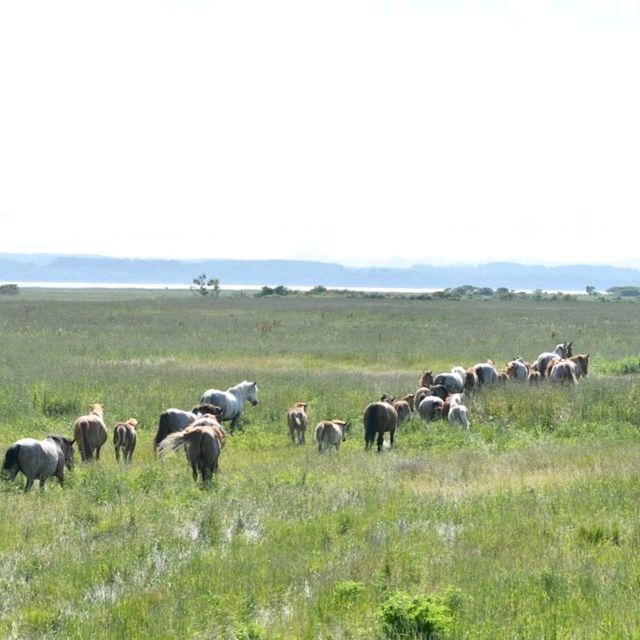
(8, 289)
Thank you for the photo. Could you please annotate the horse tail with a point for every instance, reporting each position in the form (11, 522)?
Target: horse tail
(119, 436)
(172, 442)
(320, 435)
(371, 419)
(84, 441)
(11, 463)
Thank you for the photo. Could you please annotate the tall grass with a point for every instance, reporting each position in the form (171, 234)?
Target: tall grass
(525, 527)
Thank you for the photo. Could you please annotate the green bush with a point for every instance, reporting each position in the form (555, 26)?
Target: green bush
(414, 616)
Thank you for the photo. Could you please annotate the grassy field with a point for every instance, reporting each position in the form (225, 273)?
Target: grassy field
(526, 527)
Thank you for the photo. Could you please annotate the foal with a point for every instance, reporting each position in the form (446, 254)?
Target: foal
(124, 439)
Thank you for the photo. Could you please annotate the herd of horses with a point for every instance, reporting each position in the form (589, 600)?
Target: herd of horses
(201, 434)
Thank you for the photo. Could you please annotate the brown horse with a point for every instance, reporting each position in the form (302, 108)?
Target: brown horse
(90, 432)
(124, 439)
(203, 442)
(582, 364)
(562, 371)
(379, 418)
(426, 379)
(297, 421)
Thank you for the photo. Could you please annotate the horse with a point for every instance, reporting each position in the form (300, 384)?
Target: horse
(563, 371)
(561, 351)
(582, 364)
(232, 400)
(379, 418)
(453, 381)
(124, 439)
(173, 420)
(440, 391)
(426, 379)
(486, 372)
(430, 408)
(403, 409)
(458, 413)
(534, 377)
(419, 395)
(297, 421)
(471, 380)
(39, 459)
(517, 369)
(330, 433)
(90, 432)
(203, 444)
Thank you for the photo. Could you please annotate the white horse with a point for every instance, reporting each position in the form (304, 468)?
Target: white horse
(453, 381)
(562, 351)
(458, 413)
(430, 408)
(232, 400)
(38, 459)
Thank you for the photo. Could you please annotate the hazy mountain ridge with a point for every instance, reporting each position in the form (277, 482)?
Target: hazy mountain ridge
(97, 269)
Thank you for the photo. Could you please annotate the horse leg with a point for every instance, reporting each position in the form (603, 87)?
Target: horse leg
(29, 483)
(117, 454)
(380, 440)
(391, 434)
(98, 453)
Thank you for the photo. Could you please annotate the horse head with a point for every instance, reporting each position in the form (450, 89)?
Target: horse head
(66, 446)
(96, 409)
(207, 409)
(253, 393)
(344, 427)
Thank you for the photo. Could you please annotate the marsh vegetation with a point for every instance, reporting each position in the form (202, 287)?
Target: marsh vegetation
(525, 527)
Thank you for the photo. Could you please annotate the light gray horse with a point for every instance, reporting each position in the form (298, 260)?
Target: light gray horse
(38, 459)
(453, 381)
(486, 372)
(232, 400)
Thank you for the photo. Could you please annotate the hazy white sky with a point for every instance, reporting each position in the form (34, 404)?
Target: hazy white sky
(354, 131)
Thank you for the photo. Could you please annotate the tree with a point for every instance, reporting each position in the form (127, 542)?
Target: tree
(206, 287)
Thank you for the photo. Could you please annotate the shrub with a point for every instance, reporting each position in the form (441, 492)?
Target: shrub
(8, 289)
(347, 591)
(417, 616)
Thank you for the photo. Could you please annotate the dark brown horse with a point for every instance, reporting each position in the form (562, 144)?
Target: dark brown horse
(379, 418)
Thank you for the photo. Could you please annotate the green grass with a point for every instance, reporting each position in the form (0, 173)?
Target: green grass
(526, 527)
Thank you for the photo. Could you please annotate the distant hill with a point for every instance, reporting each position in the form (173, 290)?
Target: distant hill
(292, 273)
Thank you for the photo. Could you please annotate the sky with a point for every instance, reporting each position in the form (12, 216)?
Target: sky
(362, 132)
